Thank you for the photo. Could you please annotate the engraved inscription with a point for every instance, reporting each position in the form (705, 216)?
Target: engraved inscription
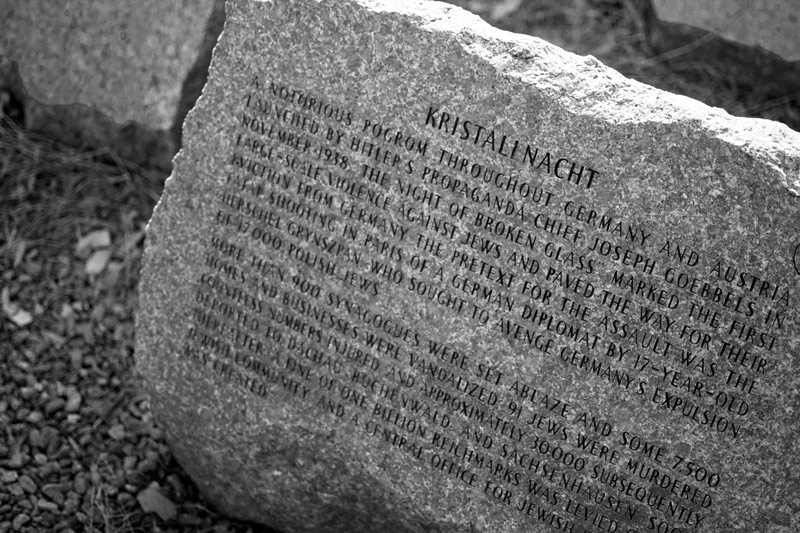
(326, 215)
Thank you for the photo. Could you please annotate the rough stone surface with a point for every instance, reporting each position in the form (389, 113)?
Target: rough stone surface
(126, 60)
(412, 273)
(773, 25)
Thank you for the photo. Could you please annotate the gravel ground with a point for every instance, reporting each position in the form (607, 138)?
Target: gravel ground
(79, 449)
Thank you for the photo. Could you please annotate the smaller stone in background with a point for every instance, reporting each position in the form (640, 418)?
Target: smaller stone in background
(107, 74)
(127, 60)
(773, 26)
(749, 50)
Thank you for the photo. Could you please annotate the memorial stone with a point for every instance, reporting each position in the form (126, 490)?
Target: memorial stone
(412, 273)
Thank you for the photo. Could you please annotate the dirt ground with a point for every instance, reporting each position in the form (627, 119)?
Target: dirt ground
(79, 449)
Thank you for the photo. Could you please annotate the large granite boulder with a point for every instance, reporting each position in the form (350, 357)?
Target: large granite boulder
(415, 274)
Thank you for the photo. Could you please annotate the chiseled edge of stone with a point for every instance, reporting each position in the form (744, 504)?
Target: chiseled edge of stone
(604, 93)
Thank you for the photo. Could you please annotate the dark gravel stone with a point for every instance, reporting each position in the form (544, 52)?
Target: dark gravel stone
(54, 492)
(20, 521)
(27, 484)
(18, 460)
(35, 438)
(47, 505)
(80, 484)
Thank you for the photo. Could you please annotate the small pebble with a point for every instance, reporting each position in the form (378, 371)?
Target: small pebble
(35, 417)
(80, 484)
(129, 463)
(177, 486)
(54, 492)
(73, 400)
(35, 438)
(46, 520)
(126, 500)
(47, 505)
(54, 405)
(8, 476)
(27, 484)
(70, 506)
(138, 427)
(117, 432)
(27, 392)
(40, 459)
(48, 469)
(55, 448)
(18, 460)
(49, 434)
(149, 463)
(20, 521)
(75, 358)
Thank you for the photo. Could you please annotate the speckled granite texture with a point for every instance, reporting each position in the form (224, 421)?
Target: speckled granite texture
(127, 60)
(415, 274)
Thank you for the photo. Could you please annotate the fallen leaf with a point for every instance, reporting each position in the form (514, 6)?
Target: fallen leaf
(15, 313)
(153, 500)
(98, 261)
(92, 241)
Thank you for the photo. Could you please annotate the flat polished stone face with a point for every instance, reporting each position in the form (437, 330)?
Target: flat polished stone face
(412, 273)
(125, 59)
